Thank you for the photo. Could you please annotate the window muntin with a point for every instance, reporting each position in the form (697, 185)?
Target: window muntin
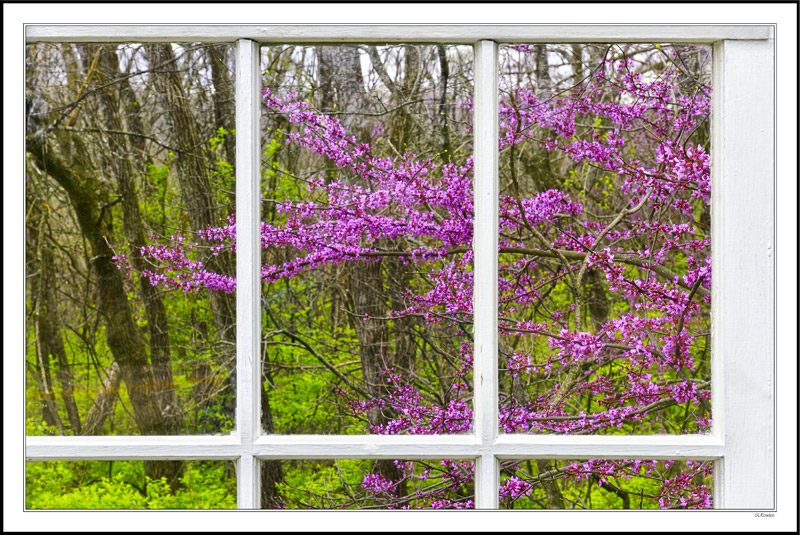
(732, 56)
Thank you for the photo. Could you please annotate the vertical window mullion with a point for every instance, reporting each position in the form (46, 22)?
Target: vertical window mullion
(248, 267)
(485, 239)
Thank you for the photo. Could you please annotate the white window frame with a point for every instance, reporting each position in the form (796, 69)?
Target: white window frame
(741, 442)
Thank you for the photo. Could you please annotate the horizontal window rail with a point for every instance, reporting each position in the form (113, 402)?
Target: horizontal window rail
(704, 447)
(396, 33)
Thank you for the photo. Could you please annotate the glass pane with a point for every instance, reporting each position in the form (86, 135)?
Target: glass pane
(130, 290)
(371, 484)
(366, 236)
(130, 485)
(605, 261)
(606, 484)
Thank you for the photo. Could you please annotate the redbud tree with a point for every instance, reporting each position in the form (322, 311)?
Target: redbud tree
(604, 267)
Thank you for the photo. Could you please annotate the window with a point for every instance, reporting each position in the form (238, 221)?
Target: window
(742, 436)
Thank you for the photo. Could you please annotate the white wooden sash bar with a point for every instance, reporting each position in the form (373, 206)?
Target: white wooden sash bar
(106, 448)
(485, 238)
(371, 447)
(248, 267)
(743, 322)
(395, 33)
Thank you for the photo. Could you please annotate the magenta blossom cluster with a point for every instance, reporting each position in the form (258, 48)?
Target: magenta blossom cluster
(645, 248)
(436, 484)
(688, 489)
(649, 253)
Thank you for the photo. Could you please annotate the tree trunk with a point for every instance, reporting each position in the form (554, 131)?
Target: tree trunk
(197, 194)
(199, 200)
(52, 344)
(224, 111)
(446, 147)
(124, 173)
(193, 175)
(42, 323)
(124, 340)
(595, 295)
(271, 471)
(551, 489)
(341, 83)
(104, 401)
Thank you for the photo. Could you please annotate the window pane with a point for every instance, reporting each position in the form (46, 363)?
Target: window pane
(366, 236)
(130, 485)
(371, 484)
(605, 484)
(129, 188)
(605, 239)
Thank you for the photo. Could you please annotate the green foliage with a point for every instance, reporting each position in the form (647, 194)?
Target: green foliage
(223, 179)
(303, 398)
(277, 184)
(315, 484)
(123, 485)
(34, 426)
(161, 200)
(642, 493)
